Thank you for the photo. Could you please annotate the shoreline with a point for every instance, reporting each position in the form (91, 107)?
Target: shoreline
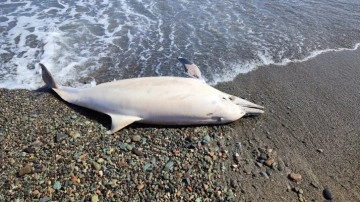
(310, 127)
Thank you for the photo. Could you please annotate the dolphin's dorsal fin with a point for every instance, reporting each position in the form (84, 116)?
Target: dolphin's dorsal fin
(121, 121)
(191, 69)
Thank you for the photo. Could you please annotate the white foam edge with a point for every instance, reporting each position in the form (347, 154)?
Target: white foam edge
(265, 59)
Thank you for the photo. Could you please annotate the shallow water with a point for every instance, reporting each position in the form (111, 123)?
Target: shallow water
(86, 41)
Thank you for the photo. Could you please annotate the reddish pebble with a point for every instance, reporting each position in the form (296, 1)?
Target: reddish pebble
(295, 176)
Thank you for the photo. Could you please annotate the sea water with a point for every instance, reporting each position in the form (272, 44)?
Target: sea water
(84, 42)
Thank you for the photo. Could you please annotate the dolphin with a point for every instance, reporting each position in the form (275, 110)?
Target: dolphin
(165, 100)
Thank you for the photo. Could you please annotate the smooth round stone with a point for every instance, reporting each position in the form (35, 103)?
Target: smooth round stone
(136, 138)
(327, 194)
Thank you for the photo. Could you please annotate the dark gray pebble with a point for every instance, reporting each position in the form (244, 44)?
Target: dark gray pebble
(327, 194)
(29, 150)
(45, 199)
(60, 137)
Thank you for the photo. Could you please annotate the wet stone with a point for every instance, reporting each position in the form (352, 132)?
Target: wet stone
(295, 176)
(96, 165)
(135, 138)
(206, 139)
(138, 152)
(61, 137)
(327, 194)
(45, 199)
(94, 198)
(264, 174)
(29, 150)
(57, 185)
(25, 170)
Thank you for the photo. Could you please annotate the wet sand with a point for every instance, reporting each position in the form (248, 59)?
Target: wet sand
(312, 120)
(311, 127)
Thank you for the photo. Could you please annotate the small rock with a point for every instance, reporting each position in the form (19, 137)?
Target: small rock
(94, 198)
(124, 146)
(96, 165)
(73, 116)
(288, 187)
(140, 186)
(320, 150)
(60, 137)
(36, 193)
(100, 160)
(57, 185)
(208, 159)
(136, 138)
(74, 134)
(327, 194)
(129, 147)
(169, 165)
(233, 183)
(25, 170)
(264, 174)
(258, 164)
(138, 152)
(29, 150)
(206, 139)
(269, 162)
(295, 176)
(45, 199)
(314, 185)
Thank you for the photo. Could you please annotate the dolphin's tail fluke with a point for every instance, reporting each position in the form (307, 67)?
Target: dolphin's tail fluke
(48, 79)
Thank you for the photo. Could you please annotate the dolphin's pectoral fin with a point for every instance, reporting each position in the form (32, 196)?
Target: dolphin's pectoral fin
(121, 121)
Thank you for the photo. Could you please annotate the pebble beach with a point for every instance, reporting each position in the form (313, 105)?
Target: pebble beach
(304, 148)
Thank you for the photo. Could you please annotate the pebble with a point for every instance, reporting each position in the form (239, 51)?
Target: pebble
(258, 164)
(100, 160)
(96, 165)
(29, 150)
(206, 139)
(124, 146)
(138, 152)
(74, 134)
(295, 176)
(140, 186)
(264, 174)
(25, 170)
(94, 198)
(45, 199)
(60, 137)
(320, 150)
(136, 138)
(269, 162)
(233, 183)
(327, 194)
(169, 165)
(57, 185)
(208, 159)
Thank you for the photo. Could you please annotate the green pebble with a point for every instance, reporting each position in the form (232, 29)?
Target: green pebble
(94, 198)
(169, 165)
(57, 185)
(96, 165)
(136, 138)
(124, 146)
(206, 139)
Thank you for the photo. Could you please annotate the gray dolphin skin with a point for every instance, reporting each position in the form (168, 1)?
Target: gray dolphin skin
(158, 100)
